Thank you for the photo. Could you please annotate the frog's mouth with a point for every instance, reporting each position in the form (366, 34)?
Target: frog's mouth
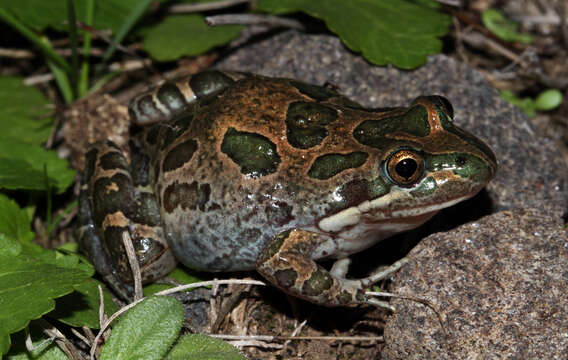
(379, 211)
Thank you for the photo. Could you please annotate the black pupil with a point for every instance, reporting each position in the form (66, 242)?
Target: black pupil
(406, 168)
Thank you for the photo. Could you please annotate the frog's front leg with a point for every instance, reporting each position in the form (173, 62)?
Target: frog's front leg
(287, 263)
(115, 199)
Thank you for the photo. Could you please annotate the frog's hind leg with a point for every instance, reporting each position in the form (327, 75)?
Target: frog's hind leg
(287, 263)
(113, 200)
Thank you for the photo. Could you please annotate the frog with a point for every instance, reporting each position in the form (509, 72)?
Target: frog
(229, 171)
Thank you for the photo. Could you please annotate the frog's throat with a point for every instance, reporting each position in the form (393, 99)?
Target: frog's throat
(376, 209)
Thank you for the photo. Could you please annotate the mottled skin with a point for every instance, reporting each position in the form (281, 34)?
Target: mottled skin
(247, 172)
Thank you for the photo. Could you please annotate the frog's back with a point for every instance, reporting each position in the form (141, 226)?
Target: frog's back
(239, 165)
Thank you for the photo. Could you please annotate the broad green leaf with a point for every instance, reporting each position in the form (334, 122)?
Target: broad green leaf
(504, 28)
(23, 112)
(401, 32)
(14, 222)
(40, 14)
(146, 331)
(81, 308)
(27, 290)
(548, 100)
(22, 167)
(185, 35)
(30, 277)
(9, 247)
(43, 348)
(202, 347)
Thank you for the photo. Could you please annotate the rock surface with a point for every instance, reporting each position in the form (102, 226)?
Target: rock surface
(500, 283)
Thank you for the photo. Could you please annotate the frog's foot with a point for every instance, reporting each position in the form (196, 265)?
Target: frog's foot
(113, 201)
(287, 263)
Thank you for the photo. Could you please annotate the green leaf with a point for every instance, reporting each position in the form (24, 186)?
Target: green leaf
(14, 222)
(44, 349)
(40, 14)
(145, 331)
(548, 100)
(185, 35)
(30, 277)
(27, 289)
(23, 112)
(22, 167)
(81, 308)
(504, 28)
(9, 247)
(202, 347)
(400, 32)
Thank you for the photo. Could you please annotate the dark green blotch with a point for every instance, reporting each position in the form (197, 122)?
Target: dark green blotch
(171, 97)
(373, 132)
(318, 93)
(465, 165)
(319, 282)
(306, 122)
(179, 155)
(330, 165)
(209, 82)
(254, 153)
(286, 278)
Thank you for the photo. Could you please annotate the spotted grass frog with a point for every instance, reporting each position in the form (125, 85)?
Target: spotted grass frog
(232, 171)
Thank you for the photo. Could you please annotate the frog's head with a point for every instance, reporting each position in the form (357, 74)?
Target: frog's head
(424, 163)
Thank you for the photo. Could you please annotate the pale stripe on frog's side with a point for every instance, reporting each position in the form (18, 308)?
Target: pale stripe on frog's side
(249, 171)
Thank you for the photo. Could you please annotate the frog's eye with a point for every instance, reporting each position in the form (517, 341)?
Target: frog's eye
(404, 167)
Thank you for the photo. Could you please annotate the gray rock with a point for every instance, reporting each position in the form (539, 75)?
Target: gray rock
(500, 283)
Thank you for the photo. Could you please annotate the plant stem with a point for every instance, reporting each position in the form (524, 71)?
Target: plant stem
(45, 47)
(83, 86)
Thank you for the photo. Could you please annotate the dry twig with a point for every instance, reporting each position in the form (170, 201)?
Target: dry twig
(134, 266)
(192, 8)
(252, 19)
